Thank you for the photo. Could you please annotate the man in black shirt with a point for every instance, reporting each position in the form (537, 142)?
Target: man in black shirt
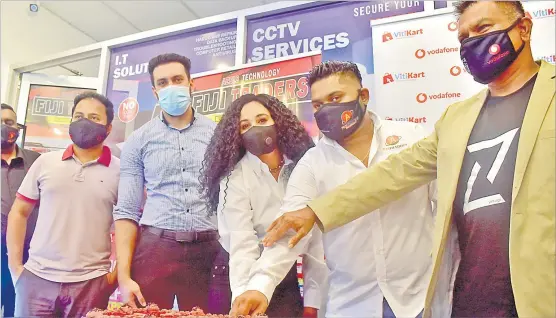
(15, 164)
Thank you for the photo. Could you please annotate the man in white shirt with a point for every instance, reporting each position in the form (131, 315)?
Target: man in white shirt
(378, 273)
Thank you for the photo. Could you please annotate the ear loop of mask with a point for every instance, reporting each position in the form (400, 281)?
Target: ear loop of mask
(518, 51)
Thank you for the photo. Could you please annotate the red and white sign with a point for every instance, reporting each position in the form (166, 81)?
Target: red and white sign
(128, 110)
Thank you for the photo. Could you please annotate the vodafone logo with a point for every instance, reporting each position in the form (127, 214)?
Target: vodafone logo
(128, 110)
(455, 70)
(452, 26)
(494, 49)
(421, 98)
(420, 53)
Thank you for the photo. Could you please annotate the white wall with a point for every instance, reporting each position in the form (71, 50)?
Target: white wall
(4, 79)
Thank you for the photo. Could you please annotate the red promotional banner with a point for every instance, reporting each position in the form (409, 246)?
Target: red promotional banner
(285, 80)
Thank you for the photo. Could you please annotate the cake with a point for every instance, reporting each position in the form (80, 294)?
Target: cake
(151, 311)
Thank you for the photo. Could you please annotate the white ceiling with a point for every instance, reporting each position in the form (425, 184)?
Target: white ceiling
(62, 25)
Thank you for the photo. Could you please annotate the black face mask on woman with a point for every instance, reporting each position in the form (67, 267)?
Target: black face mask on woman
(260, 140)
(339, 120)
(86, 133)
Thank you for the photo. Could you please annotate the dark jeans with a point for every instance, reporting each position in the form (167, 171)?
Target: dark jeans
(8, 291)
(38, 297)
(286, 300)
(388, 313)
(220, 293)
(165, 268)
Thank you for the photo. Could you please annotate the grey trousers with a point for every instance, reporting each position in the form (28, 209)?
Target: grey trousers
(38, 297)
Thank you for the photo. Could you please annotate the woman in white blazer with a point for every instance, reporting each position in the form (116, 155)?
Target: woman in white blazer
(245, 171)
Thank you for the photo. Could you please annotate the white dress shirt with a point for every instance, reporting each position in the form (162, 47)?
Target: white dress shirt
(384, 254)
(250, 199)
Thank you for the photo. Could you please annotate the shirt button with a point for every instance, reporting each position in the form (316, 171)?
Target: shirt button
(183, 169)
(182, 148)
(186, 190)
(187, 210)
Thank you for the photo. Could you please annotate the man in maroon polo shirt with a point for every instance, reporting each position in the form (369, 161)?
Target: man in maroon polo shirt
(68, 271)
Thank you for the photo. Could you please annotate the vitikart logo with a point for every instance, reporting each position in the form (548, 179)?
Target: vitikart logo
(408, 76)
(541, 14)
(389, 36)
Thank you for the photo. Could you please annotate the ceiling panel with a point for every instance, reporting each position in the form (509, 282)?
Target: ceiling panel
(26, 36)
(148, 15)
(208, 8)
(92, 18)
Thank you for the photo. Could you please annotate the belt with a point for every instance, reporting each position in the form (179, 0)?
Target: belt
(184, 237)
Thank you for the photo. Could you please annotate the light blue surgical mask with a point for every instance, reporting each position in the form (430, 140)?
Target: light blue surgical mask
(175, 100)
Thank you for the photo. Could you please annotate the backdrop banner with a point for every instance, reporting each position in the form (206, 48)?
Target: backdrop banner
(129, 83)
(418, 67)
(342, 31)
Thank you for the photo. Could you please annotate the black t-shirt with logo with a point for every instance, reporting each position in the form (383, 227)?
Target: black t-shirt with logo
(482, 208)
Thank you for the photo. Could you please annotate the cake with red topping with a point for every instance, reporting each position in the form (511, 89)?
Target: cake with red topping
(152, 311)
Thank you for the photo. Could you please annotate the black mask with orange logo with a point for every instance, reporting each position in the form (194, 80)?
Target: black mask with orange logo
(9, 136)
(339, 120)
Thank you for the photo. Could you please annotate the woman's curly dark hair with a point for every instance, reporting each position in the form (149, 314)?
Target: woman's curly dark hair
(226, 145)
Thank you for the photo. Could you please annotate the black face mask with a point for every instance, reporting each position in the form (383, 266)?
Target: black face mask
(487, 56)
(260, 140)
(86, 133)
(9, 136)
(339, 120)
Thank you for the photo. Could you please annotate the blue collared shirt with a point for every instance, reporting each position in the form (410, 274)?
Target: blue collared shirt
(166, 161)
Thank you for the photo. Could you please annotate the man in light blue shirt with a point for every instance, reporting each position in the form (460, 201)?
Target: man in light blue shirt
(177, 241)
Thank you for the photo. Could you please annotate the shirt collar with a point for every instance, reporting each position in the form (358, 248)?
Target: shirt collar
(162, 119)
(18, 157)
(104, 159)
(258, 166)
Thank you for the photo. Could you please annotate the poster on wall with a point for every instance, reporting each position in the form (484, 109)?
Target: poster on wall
(342, 31)
(48, 117)
(129, 84)
(285, 80)
(418, 67)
